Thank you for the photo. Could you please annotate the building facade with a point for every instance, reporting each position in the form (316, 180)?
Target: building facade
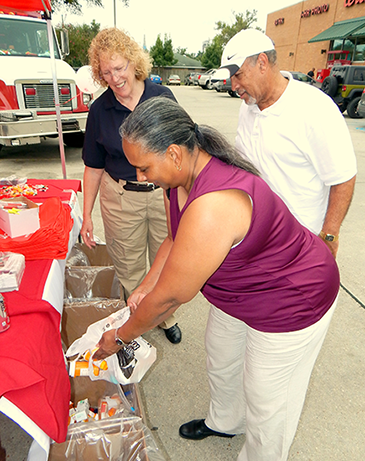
(305, 32)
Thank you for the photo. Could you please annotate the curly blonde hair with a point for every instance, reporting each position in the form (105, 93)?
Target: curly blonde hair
(109, 42)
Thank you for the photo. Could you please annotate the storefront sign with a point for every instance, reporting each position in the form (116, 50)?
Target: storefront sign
(279, 21)
(348, 3)
(321, 9)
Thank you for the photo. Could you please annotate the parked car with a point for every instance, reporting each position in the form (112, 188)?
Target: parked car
(174, 80)
(345, 85)
(196, 78)
(156, 79)
(205, 80)
(189, 79)
(225, 85)
(361, 105)
(302, 77)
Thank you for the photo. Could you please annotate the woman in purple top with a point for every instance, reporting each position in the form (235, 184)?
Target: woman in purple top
(272, 284)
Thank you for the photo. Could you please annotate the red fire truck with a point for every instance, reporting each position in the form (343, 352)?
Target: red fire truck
(27, 97)
(336, 57)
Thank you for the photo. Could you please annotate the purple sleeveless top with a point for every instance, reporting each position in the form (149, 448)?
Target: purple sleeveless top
(281, 277)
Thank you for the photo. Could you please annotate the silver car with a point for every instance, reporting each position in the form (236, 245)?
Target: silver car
(205, 80)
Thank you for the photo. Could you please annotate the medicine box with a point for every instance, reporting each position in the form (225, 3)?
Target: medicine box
(19, 221)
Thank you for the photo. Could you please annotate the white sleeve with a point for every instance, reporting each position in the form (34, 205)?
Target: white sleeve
(331, 150)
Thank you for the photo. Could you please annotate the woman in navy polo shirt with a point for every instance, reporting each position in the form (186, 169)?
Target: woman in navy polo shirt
(133, 212)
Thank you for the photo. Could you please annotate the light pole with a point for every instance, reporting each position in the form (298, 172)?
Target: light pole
(115, 13)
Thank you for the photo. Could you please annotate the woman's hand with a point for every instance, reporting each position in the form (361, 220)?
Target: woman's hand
(87, 233)
(135, 298)
(107, 346)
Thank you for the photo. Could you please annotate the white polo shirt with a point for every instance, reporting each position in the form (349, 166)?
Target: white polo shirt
(302, 146)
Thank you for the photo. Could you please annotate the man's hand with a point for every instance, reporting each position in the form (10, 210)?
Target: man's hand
(333, 246)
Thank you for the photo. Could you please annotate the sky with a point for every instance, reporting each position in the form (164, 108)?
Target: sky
(188, 23)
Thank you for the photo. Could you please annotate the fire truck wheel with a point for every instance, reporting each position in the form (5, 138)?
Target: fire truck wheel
(330, 85)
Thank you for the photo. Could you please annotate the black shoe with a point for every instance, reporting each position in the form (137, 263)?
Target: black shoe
(197, 430)
(173, 334)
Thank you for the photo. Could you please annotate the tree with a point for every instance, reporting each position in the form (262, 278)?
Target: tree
(74, 6)
(242, 21)
(156, 53)
(181, 51)
(80, 38)
(162, 54)
(211, 57)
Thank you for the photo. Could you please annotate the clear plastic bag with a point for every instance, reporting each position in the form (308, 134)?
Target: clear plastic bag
(12, 181)
(122, 437)
(90, 274)
(117, 439)
(12, 266)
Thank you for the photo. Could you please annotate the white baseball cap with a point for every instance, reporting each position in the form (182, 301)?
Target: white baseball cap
(246, 43)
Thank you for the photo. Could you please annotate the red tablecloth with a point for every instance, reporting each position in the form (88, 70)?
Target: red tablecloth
(32, 368)
(56, 188)
(33, 372)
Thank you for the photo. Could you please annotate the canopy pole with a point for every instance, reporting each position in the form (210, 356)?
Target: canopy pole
(57, 100)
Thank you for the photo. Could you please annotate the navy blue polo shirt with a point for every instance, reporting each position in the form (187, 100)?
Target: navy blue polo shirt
(103, 144)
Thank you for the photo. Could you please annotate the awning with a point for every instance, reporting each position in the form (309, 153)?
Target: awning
(359, 32)
(341, 30)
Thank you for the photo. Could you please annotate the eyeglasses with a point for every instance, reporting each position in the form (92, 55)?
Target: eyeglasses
(114, 73)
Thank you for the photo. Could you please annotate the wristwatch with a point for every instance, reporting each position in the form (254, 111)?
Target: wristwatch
(328, 237)
(119, 340)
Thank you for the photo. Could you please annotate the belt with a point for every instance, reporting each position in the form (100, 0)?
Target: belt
(137, 186)
(140, 186)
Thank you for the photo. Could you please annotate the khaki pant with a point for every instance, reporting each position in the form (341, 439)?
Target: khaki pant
(134, 226)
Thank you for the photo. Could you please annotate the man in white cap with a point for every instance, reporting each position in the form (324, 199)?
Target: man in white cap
(294, 134)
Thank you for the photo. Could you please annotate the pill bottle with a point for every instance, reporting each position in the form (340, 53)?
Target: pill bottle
(4, 317)
(78, 368)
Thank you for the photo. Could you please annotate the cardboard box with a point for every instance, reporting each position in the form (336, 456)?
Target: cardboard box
(95, 280)
(97, 256)
(25, 221)
(112, 439)
(77, 316)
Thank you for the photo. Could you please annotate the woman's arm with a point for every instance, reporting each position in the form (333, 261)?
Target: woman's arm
(208, 229)
(91, 184)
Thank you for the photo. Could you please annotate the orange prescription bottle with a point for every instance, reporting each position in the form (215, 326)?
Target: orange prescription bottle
(78, 368)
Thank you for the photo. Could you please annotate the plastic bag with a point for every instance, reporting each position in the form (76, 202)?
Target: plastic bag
(126, 439)
(132, 369)
(121, 437)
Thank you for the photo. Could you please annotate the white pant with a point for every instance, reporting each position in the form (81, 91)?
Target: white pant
(258, 382)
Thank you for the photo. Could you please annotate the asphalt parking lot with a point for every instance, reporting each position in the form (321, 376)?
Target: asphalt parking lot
(175, 389)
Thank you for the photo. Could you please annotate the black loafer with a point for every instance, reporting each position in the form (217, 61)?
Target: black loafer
(197, 430)
(173, 334)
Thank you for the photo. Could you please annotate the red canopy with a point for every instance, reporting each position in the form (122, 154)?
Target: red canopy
(26, 5)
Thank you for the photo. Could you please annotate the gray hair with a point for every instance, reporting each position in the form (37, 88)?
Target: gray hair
(159, 122)
(271, 56)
